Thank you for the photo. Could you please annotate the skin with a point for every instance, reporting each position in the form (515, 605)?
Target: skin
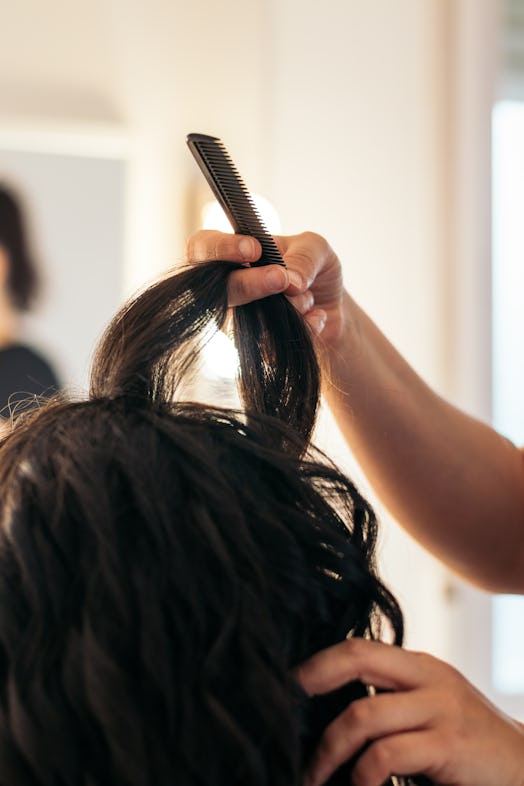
(454, 484)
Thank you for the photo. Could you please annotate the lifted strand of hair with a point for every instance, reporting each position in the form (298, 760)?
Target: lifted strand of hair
(153, 344)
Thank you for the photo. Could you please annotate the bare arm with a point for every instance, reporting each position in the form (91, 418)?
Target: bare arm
(452, 482)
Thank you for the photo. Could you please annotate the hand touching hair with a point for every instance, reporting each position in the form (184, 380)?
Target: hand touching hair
(165, 564)
(150, 347)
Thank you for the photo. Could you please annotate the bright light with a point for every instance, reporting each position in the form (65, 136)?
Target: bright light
(213, 217)
(219, 354)
(220, 357)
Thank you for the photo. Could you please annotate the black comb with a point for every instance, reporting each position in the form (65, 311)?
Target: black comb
(232, 195)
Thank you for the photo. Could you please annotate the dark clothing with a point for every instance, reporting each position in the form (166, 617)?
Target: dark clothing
(24, 374)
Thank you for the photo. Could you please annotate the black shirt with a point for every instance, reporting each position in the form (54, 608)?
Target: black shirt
(24, 374)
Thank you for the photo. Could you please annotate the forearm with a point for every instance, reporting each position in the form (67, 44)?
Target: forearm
(451, 481)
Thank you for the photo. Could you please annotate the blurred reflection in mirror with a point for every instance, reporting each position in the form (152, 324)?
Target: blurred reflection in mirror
(25, 374)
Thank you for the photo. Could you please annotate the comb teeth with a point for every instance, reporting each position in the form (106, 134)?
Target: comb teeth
(231, 193)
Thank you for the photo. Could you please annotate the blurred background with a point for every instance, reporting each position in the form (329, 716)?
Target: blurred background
(393, 127)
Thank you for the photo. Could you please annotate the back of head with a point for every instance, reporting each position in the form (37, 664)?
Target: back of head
(21, 280)
(164, 565)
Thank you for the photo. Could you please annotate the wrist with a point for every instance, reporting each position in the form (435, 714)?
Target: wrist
(341, 343)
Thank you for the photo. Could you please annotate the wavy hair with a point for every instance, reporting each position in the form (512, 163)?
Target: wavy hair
(164, 564)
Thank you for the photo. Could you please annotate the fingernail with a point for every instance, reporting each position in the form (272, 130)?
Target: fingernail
(317, 324)
(295, 278)
(275, 278)
(246, 248)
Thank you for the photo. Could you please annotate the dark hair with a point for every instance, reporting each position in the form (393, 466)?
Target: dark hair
(22, 278)
(164, 565)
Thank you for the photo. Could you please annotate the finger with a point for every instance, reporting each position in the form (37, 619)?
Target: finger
(366, 720)
(417, 752)
(316, 319)
(255, 283)
(303, 302)
(371, 662)
(306, 252)
(207, 245)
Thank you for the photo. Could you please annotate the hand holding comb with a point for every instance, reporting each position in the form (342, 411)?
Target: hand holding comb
(232, 195)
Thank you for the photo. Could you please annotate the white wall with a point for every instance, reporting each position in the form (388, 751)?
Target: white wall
(360, 145)
(359, 148)
(157, 69)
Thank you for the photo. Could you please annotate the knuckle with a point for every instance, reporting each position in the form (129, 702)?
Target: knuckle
(356, 653)
(215, 252)
(359, 714)
(200, 247)
(312, 238)
(422, 657)
(381, 758)
(240, 291)
(428, 663)
(355, 646)
(375, 765)
(328, 749)
(441, 672)
(225, 248)
(209, 245)
(190, 248)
